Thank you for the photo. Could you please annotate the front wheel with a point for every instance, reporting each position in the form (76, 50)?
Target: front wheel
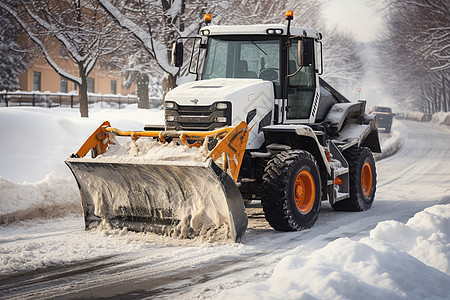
(363, 180)
(291, 191)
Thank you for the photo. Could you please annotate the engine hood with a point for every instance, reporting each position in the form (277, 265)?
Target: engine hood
(206, 92)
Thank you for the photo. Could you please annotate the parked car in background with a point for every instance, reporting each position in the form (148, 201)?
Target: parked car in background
(384, 117)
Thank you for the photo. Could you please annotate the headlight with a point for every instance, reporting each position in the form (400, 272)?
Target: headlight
(170, 118)
(170, 105)
(222, 106)
(221, 119)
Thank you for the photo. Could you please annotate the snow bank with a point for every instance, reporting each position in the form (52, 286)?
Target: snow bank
(412, 115)
(426, 236)
(391, 143)
(390, 264)
(441, 118)
(36, 141)
(34, 180)
(52, 197)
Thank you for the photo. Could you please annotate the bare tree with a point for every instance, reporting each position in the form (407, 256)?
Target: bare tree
(157, 24)
(417, 52)
(76, 29)
(154, 25)
(343, 67)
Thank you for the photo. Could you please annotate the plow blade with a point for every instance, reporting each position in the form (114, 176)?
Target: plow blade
(178, 199)
(175, 200)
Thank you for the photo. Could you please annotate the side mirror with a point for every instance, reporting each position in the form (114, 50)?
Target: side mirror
(177, 54)
(300, 54)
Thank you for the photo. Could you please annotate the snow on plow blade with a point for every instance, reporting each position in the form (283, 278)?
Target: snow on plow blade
(181, 198)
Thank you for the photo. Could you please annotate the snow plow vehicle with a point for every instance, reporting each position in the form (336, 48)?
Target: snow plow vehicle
(266, 126)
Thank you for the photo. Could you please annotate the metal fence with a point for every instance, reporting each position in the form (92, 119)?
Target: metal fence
(10, 99)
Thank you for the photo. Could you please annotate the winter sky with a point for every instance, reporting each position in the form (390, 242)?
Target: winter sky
(356, 17)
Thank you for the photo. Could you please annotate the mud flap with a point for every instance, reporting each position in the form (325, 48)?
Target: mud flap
(183, 200)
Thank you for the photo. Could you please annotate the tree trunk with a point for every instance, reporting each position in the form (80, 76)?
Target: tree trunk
(444, 95)
(142, 91)
(169, 82)
(83, 95)
(436, 101)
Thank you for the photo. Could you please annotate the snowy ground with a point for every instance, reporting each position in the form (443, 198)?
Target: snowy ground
(399, 249)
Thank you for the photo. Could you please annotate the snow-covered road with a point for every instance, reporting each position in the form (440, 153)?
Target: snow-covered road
(117, 264)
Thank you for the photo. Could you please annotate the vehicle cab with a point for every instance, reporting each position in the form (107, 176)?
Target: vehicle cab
(263, 74)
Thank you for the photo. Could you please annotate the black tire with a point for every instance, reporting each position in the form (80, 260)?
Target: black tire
(363, 180)
(289, 176)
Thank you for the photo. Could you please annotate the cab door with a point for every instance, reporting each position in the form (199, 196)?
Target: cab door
(301, 82)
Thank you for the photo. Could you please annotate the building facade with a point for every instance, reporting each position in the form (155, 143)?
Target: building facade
(41, 77)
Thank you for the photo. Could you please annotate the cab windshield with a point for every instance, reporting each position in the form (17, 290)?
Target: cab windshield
(243, 57)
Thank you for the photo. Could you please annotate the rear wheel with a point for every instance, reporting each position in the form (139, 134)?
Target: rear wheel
(363, 180)
(291, 191)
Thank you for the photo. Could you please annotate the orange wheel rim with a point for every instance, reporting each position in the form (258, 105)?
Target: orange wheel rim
(366, 179)
(304, 191)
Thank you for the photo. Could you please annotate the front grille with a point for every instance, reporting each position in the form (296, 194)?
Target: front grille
(197, 117)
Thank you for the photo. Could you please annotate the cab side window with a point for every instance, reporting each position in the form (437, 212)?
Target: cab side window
(300, 81)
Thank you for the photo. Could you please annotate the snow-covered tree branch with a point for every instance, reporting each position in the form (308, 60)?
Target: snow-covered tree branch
(13, 59)
(417, 52)
(77, 30)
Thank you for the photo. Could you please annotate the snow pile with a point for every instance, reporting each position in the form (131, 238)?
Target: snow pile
(390, 264)
(441, 118)
(176, 180)
(191, 194)
(414, 115)
(34, 180)
(36, 141)
(52, 197)
(147, 150)
(426, 236)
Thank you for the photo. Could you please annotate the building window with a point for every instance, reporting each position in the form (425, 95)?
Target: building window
(113, 87)
(91, 85)
(63, 85)
(36, 81)
(75, 86)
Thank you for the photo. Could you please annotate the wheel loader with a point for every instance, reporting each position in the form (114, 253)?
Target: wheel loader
(263, 125)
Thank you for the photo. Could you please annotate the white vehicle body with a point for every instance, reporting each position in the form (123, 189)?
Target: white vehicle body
(243, 95)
